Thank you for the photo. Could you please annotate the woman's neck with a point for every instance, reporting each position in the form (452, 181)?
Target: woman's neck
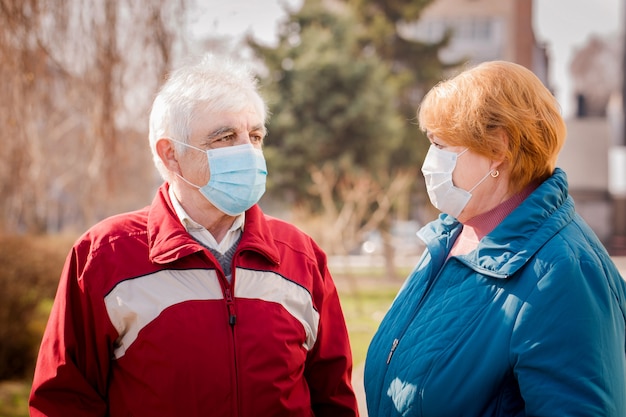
(481, 225)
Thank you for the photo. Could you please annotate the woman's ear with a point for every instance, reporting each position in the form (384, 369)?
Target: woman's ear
(499, 158)
(166, 151)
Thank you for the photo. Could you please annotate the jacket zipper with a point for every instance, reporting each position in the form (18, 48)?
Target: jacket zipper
(396, 341)
(232, 320)
(230, 304)
(394, 345)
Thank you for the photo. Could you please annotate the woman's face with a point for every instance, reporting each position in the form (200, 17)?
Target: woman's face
(473, 173)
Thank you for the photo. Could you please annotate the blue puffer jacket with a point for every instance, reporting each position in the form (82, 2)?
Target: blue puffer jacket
(531, 323)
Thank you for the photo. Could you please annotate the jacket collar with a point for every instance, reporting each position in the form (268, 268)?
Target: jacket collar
(517, 238)
(169, 241)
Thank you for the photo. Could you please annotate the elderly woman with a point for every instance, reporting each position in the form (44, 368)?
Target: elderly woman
(515, 308)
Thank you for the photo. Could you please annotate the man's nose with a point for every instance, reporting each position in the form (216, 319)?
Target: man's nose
(244, 139)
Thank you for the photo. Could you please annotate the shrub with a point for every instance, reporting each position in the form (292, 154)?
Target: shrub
(31, 266)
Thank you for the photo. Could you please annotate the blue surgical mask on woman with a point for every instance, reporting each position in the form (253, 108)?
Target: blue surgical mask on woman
(237, 177)
(444, 195)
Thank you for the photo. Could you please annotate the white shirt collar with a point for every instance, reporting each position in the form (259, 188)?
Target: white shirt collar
(201, 234)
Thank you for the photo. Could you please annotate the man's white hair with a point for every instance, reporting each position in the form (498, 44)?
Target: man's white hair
(214, 84)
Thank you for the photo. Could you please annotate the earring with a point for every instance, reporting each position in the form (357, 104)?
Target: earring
(495, 174)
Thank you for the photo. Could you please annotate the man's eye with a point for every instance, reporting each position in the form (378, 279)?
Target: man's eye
(226, 138)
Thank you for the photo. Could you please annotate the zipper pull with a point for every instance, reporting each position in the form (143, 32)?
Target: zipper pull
(232, 318)
(394, 345)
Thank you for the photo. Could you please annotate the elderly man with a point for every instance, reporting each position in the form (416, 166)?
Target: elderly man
(198, 305)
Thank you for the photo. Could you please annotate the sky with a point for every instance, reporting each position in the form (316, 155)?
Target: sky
(564, 25)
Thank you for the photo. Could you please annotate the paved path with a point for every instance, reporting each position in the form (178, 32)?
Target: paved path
(357, 384)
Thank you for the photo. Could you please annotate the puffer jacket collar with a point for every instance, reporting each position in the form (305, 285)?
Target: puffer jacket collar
(514, 241)
(169, 241)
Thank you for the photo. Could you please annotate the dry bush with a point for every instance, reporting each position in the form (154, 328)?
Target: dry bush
(31, 266)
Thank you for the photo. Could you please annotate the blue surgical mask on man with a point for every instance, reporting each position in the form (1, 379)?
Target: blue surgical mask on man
(237, 177)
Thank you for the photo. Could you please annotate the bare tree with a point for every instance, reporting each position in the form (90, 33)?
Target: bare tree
(79, 77)
(355, 203)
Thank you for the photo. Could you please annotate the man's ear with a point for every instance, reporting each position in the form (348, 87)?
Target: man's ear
(167, 153)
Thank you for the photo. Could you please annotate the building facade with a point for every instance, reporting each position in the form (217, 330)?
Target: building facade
(482, 30)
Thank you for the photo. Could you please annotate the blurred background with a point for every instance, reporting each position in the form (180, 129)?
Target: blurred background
(343, 79)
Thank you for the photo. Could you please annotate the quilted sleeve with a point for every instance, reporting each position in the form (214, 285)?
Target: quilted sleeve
(567, 346)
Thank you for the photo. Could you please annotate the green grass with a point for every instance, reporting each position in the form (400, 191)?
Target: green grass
(363, 310)
(14, 398)
(366, 294)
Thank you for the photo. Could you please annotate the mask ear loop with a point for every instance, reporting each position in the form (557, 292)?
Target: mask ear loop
(490, 173)
(186, 180)
(192, 147)
(187, 145)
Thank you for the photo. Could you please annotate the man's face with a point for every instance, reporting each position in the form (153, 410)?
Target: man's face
(216, 131)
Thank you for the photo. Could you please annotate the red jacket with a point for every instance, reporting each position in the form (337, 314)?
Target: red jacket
(145, 324)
